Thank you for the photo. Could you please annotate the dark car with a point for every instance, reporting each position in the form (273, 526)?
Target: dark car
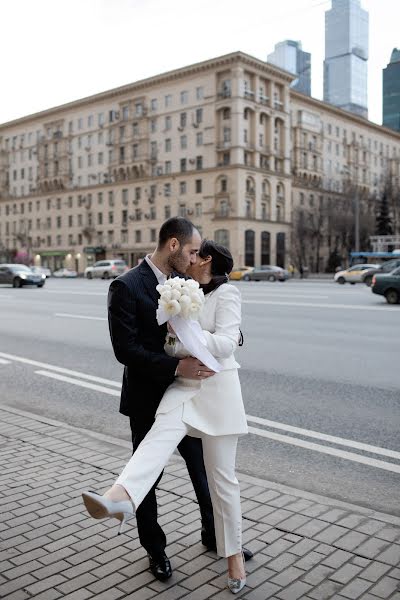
(266, 273)
(19, 275)
(388, 285)
(386, 267)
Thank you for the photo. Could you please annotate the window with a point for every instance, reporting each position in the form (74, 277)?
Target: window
(168, 100)
(199, 115)
(153, 125)
(90, 160)
(182, 210)
(226, 158)
(111, 217)
(167, 166)
(152, 235)
(199, 162)
(137, 193)
(168, 123)
(80, 123)
(183, 119)
(125, 113)
(168, 145)
(135, 150)
(90, 121)
(100, 119)
(153, 150)
(167, 189)
(198, 209)
(125, 196)
(111, 198)
(135, 129)
(227, 134)
(184, 97)
(182, 187)
(167, 212)
(100, 158)
(138, 236)
(183, 142)
(199, 138)
(183, 164)
(138, 109)
(224, 185)
(198, 186)
(153, 104)
(221, 236)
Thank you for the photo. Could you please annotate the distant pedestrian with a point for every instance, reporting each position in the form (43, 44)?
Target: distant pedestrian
(301, 271)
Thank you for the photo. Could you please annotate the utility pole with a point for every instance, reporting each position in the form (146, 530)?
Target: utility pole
(356, 219)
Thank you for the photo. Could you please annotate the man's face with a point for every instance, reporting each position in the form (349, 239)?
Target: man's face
(184, 256)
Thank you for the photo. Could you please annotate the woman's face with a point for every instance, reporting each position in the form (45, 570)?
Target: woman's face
(194, 270)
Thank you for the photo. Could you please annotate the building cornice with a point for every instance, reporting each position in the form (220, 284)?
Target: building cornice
(176, 74)
(340, 112)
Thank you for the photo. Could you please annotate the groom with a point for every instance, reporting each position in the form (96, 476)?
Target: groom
(138, 343)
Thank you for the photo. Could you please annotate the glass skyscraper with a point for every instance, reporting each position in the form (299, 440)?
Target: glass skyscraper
(391, 92)
(346, 56)
(288, 55)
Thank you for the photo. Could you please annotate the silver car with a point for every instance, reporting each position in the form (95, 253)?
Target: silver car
(19, 275)
(266, 273)
(106, 269)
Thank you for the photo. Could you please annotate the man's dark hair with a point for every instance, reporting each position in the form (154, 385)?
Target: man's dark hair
(176, 227)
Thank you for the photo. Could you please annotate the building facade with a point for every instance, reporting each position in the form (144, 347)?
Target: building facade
(346, 56)
(289, 55)
(225, 142)
(96, 178)
(391, 92)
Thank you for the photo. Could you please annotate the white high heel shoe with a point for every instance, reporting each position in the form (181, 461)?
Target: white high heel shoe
(99, 507)
(236, 585)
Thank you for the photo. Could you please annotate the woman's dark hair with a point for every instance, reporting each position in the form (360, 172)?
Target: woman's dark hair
(221, 264)
(176, 227)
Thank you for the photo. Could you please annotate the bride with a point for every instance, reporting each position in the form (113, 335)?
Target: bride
(210, 408)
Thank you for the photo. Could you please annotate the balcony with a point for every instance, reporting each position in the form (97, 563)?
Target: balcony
(224, 145)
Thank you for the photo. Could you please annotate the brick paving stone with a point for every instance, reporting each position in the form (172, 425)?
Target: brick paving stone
(16, 584)
(52, 569)
(309, 561)
(325, 590)
(311, 528)
(44, 584)
(13, 572)
(287, 576)
(263, 592)
(204, 593)
(333, 515)
(293, 522)
(317, 575)
(112, 594)
(282, 562)
(82, 581)
(346, 573)
(370, 526)
(385, 587)
(391, 555)
(271, 535)
(278, 547)
(330, 534)
(302, 547)
(111, 581)
(337, 559)
(51, 594)
(82, 594)
(295, 591)
(351, 540)
(391, 534)
(360, 561)
(355, 589)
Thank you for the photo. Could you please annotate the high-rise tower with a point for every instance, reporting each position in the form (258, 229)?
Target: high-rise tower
(288, 55)
(346, 56)
(391, 92)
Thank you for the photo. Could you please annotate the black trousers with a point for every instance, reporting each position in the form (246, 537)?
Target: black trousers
(151, 535)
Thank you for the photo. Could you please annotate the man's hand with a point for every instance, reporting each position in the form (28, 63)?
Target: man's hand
(191, 368)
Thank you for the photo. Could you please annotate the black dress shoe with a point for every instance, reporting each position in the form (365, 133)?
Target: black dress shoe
(246, 552)
(160, 566)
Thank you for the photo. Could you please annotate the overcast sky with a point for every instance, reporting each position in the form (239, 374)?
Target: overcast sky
(55, 51)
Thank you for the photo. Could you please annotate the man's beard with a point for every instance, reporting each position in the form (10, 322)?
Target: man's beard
(176, 262)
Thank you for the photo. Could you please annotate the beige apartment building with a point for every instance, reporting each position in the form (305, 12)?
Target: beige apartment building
(224, 142)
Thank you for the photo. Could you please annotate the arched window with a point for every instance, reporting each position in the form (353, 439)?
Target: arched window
(249, 247)
(221, 236)
(250, 185)
(265, 248)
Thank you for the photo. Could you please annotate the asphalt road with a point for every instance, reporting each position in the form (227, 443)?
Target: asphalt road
(320, 377)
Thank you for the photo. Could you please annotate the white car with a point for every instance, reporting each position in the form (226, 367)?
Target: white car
(352, 275)
(65, 273)
(105, 269)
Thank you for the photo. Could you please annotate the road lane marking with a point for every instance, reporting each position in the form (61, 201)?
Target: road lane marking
(289, 295)
(316, 305)
(72, 293)
(72, 316)
(323, 436)
(4, 362)
(365, 460)
(43, 365)
(257, 431)
(85, 384)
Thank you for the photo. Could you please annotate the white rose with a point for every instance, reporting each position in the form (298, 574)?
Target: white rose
(175, 293)
(184, 301)
(196, 298)
(160, 288)
(166, 296)
(172, 308)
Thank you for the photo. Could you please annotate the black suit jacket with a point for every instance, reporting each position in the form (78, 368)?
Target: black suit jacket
(138, 343)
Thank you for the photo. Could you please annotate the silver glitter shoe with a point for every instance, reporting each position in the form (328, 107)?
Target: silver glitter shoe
(236, 585)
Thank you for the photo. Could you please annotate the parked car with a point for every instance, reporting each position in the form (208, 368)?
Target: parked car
(42, 271)
(239, 273)
(65, 273)
(20, 275)
(386, 267)
(106, 269)
(388, 285)
(266, 273)
(353, 274)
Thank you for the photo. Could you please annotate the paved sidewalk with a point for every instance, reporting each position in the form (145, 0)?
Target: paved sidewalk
(305, 546)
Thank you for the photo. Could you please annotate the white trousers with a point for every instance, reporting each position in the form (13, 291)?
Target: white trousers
(152, 455)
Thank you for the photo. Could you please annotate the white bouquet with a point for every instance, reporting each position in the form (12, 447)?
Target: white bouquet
(180, 303)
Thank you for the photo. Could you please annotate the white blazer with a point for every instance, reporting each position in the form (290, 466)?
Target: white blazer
(212, 406)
